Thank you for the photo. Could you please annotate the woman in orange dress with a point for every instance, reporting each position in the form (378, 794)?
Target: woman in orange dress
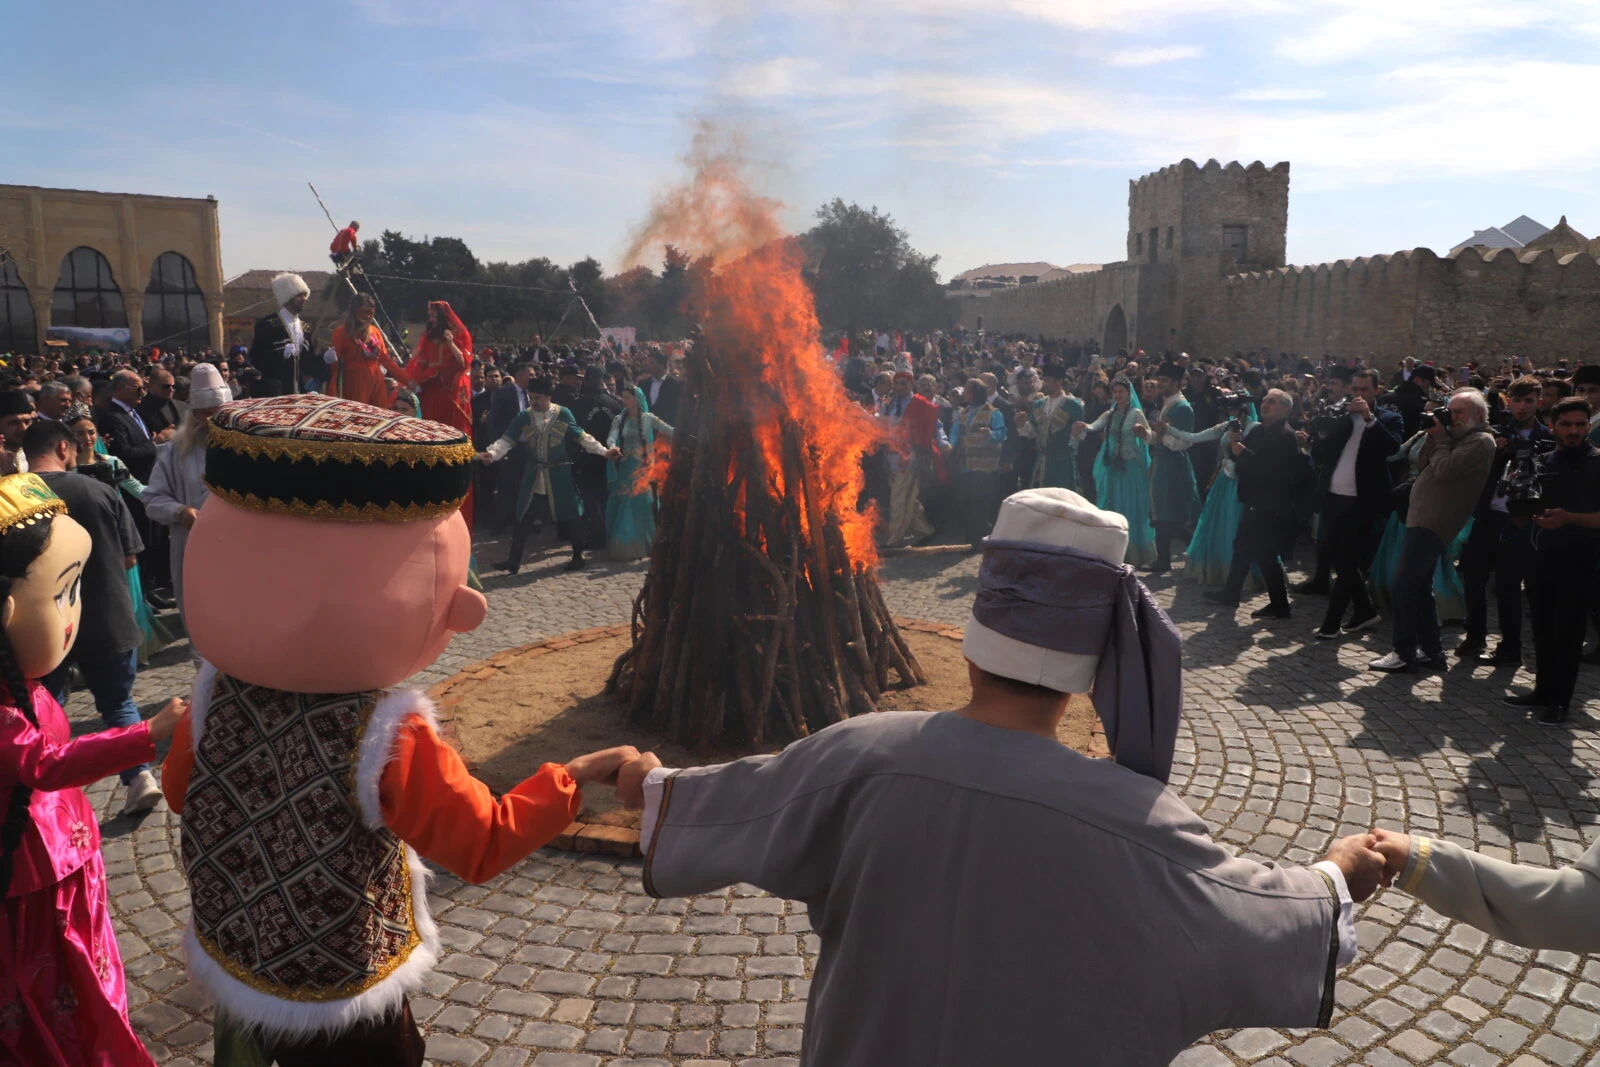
(440, 370)
(361, 358)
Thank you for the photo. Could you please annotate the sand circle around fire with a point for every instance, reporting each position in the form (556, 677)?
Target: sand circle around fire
(547, 704)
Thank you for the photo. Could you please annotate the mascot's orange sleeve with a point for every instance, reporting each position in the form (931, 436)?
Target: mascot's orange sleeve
(434, 804)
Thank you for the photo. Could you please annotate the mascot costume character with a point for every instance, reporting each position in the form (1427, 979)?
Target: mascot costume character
(327, 566)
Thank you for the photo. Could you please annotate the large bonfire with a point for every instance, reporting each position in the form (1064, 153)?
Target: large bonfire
(761, 618)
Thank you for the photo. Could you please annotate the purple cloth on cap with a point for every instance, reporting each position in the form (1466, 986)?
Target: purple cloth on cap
(1068, 600)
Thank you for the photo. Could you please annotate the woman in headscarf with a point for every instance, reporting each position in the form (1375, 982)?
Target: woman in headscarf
(1122, 469)
(1210, 550)
(359, 357)
(631, 511)
(440, 370)
(177, 485)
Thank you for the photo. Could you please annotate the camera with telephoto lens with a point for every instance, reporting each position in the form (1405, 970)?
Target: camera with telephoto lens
(1520, 481)
(1436, 417)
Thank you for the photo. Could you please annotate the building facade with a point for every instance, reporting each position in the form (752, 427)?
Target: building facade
(151, 265)
(1205, 273)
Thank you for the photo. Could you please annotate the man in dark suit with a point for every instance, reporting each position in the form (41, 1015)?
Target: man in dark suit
(1355, 454)
(159, 409)
(123, 428)
(281, 342)
(662, 391)
(508, 401)
(1497, 543)
(1272, 476)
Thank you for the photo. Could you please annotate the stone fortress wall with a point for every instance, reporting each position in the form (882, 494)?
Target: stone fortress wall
(1205, 273)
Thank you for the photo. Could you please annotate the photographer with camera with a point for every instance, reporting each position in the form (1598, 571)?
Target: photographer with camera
(1331, 413)
(1566, 546)
(1498, 543)
(1455, 461)
(1355, 499)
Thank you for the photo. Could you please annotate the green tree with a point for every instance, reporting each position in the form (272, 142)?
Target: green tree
(867, 275)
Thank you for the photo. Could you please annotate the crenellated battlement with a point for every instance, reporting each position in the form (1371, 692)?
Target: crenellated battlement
(1176, 173)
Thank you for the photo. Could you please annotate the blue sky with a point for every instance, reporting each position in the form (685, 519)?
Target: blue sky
(993, 130)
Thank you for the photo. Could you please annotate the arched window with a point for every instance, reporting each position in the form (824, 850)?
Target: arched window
(86, 293)
(174, 307)
(17, 328)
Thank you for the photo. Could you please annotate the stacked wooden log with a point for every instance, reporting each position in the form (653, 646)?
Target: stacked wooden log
(754, 625)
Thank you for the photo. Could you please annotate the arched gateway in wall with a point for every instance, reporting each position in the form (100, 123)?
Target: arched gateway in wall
(1114, 335)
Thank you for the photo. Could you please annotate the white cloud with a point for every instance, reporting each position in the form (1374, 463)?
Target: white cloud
(1149, 57)
(1277, 95)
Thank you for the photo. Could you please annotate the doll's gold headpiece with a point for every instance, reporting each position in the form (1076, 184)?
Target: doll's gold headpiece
(25, 499)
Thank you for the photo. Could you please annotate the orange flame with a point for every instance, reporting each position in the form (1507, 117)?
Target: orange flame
(756, 308)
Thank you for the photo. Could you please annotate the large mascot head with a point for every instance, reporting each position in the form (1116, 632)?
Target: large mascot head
(331, 556)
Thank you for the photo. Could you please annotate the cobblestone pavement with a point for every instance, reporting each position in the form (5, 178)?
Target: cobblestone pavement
(563, 962)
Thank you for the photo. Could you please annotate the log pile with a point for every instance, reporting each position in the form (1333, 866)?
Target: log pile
(754, 626)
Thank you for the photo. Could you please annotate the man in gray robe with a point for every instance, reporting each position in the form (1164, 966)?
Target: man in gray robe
(984, 894)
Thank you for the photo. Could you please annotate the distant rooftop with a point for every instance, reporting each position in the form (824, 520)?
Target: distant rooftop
(1514, 234)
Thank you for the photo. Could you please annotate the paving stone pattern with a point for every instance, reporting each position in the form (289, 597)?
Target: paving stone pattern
(564, 962)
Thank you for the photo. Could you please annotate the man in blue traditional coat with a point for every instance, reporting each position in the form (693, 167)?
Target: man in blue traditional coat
(1049, 424)
(1173, 496)
(547, 489)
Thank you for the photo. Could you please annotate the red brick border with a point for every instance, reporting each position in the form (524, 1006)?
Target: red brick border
(616, 833)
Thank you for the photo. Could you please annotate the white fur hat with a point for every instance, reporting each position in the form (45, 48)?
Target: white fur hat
(207, 389)
(287, 286)
(1063, 519)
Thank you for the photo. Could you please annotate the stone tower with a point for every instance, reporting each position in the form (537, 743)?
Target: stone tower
(1188, 226)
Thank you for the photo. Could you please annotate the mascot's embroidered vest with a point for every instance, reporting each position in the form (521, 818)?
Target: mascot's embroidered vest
(306, 912)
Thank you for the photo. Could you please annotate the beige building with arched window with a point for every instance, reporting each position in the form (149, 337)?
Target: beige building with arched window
(149, 264)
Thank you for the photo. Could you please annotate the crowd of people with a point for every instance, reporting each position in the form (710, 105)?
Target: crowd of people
(1412, 491)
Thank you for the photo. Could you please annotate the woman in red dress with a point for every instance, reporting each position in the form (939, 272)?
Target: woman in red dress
(440, 370)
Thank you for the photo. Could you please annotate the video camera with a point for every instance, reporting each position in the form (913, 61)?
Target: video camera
(1520, 481)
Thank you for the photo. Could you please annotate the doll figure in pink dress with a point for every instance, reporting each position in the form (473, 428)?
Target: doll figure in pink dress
(62, 998)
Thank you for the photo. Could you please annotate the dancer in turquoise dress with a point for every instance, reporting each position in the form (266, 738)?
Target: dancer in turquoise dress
(631, 511)
(1447, 588)
(1210, 550)
(1122, 469)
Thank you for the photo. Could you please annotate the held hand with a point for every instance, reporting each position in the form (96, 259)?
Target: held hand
(1395, 850)
(1080, 427)
(601, 767)
(630, 780)
(614, 454)
(187, 516)
(1141, 432)
(1363, 867)
(1302, 437)
(166, 720)
(484, 458)
(1553, 518)
(1360, 408)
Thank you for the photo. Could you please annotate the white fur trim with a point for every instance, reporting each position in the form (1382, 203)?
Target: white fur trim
(205, 680)
(377, 747)
(292, 1019)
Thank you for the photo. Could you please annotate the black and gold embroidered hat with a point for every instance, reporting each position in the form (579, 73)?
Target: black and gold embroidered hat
(320, 457)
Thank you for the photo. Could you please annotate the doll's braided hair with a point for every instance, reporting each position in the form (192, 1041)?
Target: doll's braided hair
(19, 547)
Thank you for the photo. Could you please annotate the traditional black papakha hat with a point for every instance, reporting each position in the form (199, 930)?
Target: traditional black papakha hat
(319, 457)
(1053, 370)
(1173, 371)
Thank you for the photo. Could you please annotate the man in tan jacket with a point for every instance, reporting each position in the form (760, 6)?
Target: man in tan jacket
(1455, 463)
(1527, 906)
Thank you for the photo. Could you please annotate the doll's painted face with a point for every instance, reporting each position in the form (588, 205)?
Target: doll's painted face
(41, 614)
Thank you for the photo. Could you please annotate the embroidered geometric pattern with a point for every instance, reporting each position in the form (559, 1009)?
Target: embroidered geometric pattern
(290, 893)
(312, 417)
